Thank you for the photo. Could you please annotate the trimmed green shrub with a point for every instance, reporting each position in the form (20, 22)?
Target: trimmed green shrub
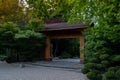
(110, 75)
(90, 65)
(11, 59)
(104, 56)
(113, 69)
(94, 75)
(118, 74)
(20, 44)
(105, 63)
(100, 67)
(94, 60)
(85, 70)
(116, 58)
(113, 73)
(3, 57)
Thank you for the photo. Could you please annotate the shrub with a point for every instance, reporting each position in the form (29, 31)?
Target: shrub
(110, 75)
(116, 58)
(112, 69)
(113, 73)
(104, 56)
(16, 43)
(94, 60)
(100, 67)
(30, 45)
(11, 59)
(118, 74)
(90, 65)
(3, 57)
(94, 75)
(105, 63)
(85, 70)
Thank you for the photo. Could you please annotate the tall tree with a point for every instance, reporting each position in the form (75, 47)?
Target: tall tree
(11, 11)
(95, 11)
(51, 8)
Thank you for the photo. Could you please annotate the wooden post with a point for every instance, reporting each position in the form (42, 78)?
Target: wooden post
(48, 49)
(82, 45)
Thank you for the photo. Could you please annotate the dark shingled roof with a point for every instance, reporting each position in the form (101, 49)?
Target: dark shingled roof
(63, 26)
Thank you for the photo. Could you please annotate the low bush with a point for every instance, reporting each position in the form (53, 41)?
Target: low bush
(100, 67)
(3, 57)
(113, 73)
(85, 70)
(11, 59)
(118, 74)
(104, 57)
(94, 60)
(105, 63)
(94, 75)
(90, 65)
(116, 58)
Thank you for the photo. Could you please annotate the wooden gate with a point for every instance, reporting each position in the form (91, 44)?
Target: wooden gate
(61, 31)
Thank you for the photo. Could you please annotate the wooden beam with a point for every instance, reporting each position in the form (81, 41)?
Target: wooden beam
(82, 45)
(65, 36)
(48, 49)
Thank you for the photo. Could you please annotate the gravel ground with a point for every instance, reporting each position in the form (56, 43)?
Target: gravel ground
(33, 72)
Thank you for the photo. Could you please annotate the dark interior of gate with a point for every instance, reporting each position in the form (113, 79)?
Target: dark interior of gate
(65, 48)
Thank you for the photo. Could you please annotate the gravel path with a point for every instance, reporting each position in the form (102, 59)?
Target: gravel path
(33, 72)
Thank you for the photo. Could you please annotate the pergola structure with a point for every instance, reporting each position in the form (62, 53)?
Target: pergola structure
(61, 31)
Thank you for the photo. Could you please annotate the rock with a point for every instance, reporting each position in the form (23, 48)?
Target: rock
(22, 65)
